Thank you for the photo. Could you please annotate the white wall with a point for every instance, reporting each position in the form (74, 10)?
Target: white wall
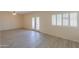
(70, 33)
(9, 21)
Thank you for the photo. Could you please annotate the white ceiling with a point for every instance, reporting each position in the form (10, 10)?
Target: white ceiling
(23, 12)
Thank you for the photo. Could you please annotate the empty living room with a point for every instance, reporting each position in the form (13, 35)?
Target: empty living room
(39, 29)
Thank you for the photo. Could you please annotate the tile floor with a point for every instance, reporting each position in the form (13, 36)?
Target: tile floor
(21, 38)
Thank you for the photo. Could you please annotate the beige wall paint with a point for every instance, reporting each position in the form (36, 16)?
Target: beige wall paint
(70, 33)
(9, 21)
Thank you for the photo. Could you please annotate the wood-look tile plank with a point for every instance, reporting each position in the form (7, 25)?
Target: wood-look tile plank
(30, 39)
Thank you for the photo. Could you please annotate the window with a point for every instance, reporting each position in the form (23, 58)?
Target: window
(33, 22)
(53, 19)
(65, 19)
(59, 19)
(37, 23)
(73, 19)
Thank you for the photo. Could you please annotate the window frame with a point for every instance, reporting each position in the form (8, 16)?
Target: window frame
(54, 22)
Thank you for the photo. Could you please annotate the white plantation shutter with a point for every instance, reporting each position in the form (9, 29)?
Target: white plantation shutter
(59, 19)
(65, 19)
(53, 19)
(73, 19)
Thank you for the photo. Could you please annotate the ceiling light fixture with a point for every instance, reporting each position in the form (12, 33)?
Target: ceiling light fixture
(13, 13)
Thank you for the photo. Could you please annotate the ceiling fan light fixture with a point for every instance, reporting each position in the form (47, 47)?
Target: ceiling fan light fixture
(13, 13)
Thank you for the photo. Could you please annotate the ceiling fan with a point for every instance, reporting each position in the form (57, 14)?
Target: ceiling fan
(13, 13)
